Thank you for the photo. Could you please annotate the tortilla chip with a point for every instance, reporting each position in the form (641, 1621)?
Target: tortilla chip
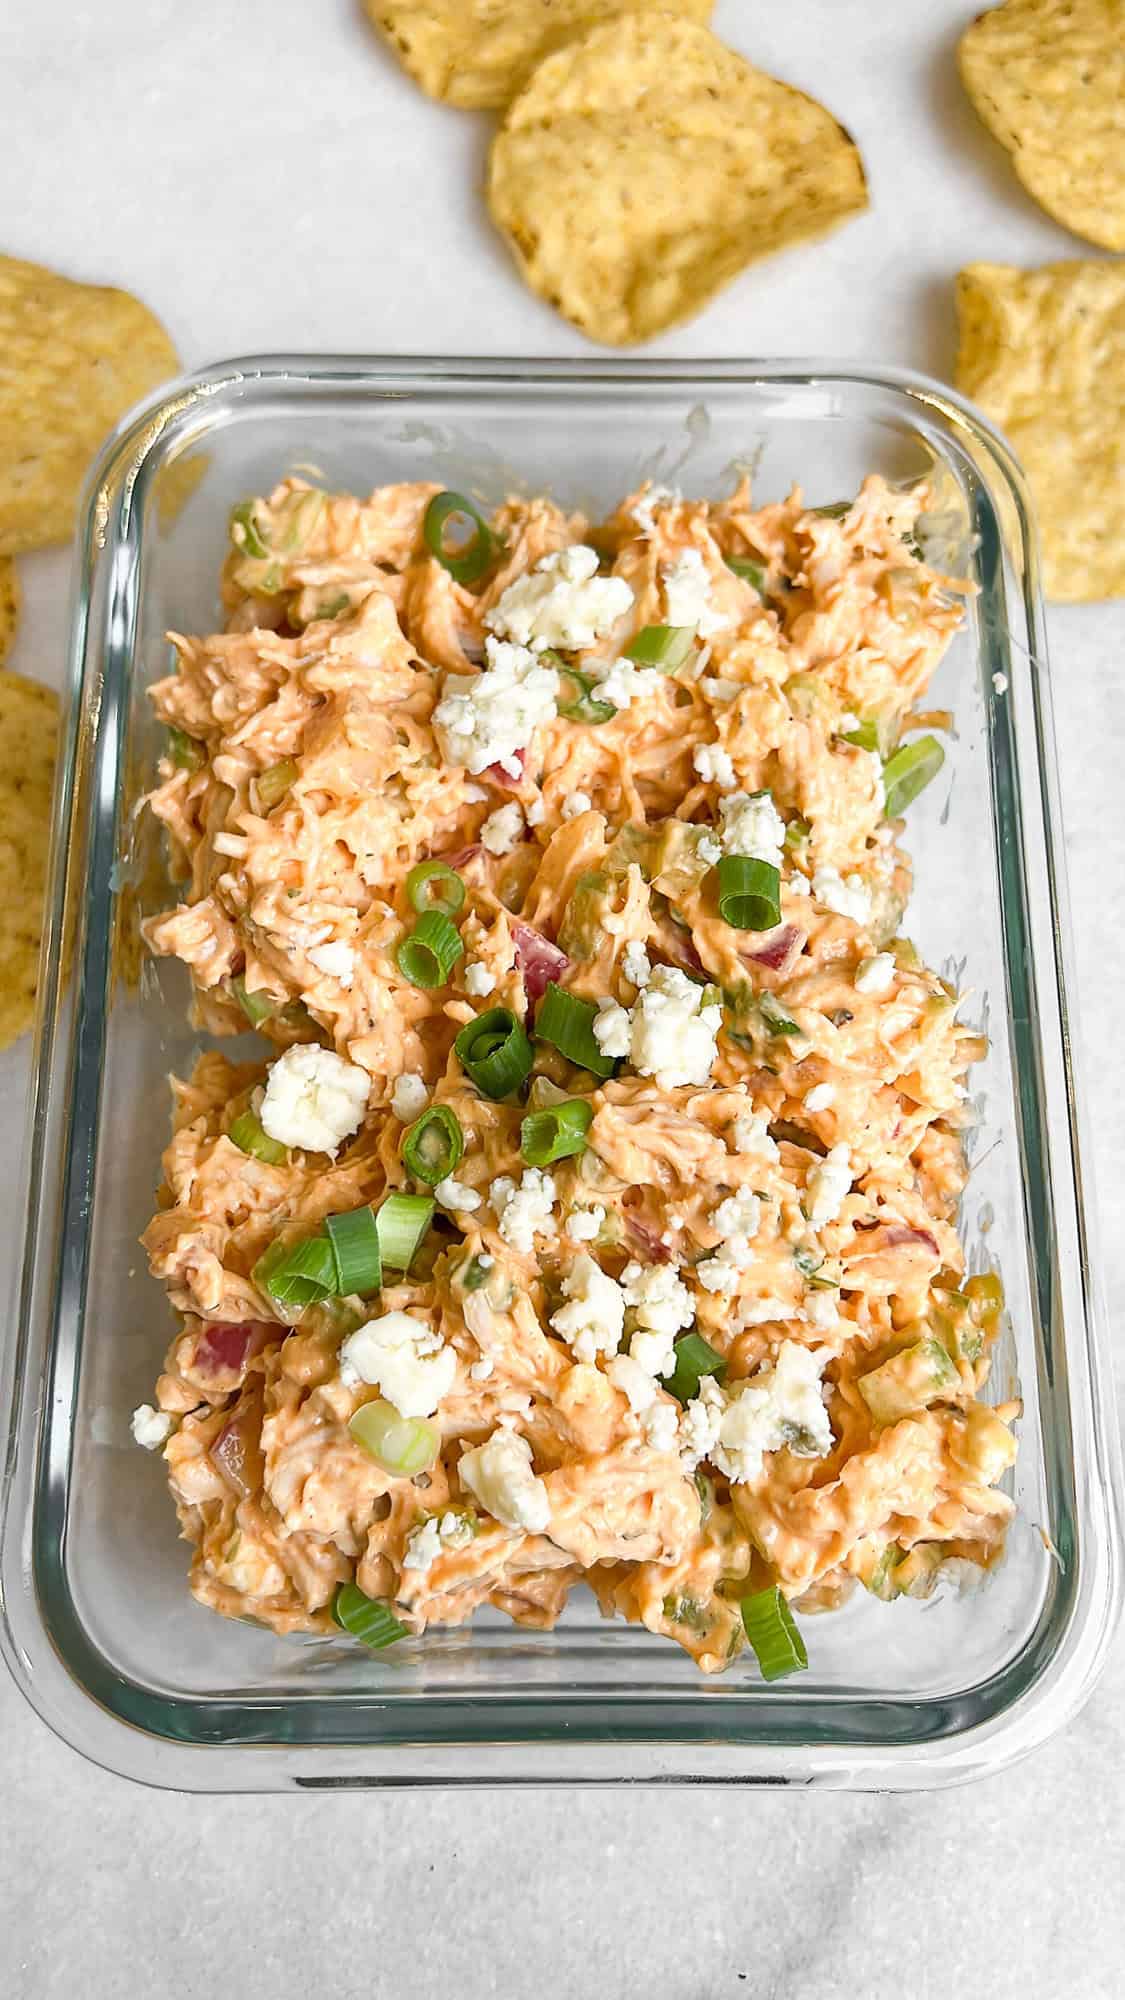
(1043, 353)
(28, 732)
(478, 53)
(645, 165)
(73, 359)
(1048, 79)
(9, 605)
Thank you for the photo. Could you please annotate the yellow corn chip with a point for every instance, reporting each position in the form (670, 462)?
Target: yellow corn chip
(9, 605)
(1048, 79)
(73, 359)
(478, 53)
(645, 165)
(28, 733)
(1043, 353)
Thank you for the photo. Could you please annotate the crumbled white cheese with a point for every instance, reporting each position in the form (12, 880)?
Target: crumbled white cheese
(440, 1535)
(503, 829)
(750, 1133)
(404, 1359)
(875, 975)
(699, 1425)
(499, 1473)
(822, 1311)
(313, 1099)
(456, 1197)
(635, 963)
(634, 1382)
(625, 683)
(845, 896)
(583, 1224)
(671, 1030)
(712, 763)
(660, 1426)
(763, 1312)
(492, 716)
(687, 594)
(717, 688)
(653, 497)
(337, 960)
(479, 981)
(482, 1370)
(782, 1405)
(575, 804)
(798, 884)
(752, 825)
(593, 1320)
(151, 1428)
(562, 602)
(821, 1097)
(536, 812)
(658, 1297)
(828, 1185)
(526, 1211)
(409, 1097)
(736, 1220)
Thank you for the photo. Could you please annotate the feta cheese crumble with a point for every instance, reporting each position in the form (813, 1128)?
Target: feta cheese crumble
(503, 829)
(737, 1220)
(593, 1320)
(526, 1211)
(634, 1382)
(661, 1306)
(440, 1535)
(845, 896)
(750, 1133)
(583, 1224)
(313, 1099)
(751, 825)
(875, 975)
(660, 1427)
(821, 1097)
(699, 1425)
(625, 683)
(499, 1474)
(635, 964)
(687, 594)
(782, 1405)
(828, 1185)
(151, 1428)
(337, 960)
(712, 763)
(456, 1196)
(404, 1359)
(577, 803)
(669, 1033)
(479, 981)
(562, 602)
(409, 1097)
(490, 717)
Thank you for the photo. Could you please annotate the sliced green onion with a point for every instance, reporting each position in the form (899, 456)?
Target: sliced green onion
(186, 753)
(662, 646)
(402, 1445)
(468, 560)
(797, 832)
(300, 1274)
(433, 885)
(556, 1133)
(494, 1052)
(834, 511)
(333, 606)
(250, 1136)
(402, 1222)
(428, 955)
(256, 1006)
(774, 1017)
(568, 1024)
(772, 1631)
(750, 572)
(274, 782)
(695, 1357)
(368, 1619)
(585, 707)
(244, 530)
(355, 1246)
(749, 893)
(865, 736)
(909, 771)
(433, 1145)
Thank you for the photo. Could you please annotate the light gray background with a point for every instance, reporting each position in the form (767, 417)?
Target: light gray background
(265, 178)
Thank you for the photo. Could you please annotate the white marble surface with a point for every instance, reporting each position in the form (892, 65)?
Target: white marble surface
(267, 180)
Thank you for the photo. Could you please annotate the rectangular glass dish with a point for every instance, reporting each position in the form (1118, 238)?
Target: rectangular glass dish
(99, 1627)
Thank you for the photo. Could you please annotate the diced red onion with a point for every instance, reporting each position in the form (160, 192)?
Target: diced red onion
(777, 950)
(647, 1238)
(225, 1347)
(539, 961)
(495, 774)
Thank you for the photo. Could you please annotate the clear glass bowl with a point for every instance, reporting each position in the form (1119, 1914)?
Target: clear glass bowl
(100, 1629)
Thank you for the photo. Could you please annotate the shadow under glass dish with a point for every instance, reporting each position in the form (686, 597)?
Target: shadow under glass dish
(101, 1631)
